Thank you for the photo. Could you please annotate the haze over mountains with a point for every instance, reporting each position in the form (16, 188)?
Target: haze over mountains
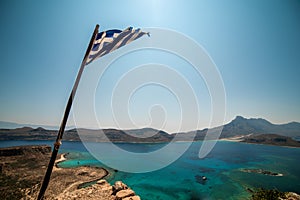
(13, 125)
(240, 126)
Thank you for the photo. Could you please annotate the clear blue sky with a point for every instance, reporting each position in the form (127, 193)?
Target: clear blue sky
(255, 45)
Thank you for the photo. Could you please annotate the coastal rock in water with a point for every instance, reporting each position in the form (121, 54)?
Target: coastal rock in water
(119, 186)
(105, 186)
(102, 182)
(124, 193)
(261, 171)
(292, 196)
(132, 198)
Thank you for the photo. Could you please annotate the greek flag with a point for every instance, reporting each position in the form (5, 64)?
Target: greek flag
(108, 41)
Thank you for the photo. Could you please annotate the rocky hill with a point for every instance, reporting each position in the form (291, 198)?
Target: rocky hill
(243, 126)
(271, 139)
(240, 126)
(146, 135)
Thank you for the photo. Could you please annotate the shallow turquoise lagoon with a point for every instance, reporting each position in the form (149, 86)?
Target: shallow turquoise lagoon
(183, 178)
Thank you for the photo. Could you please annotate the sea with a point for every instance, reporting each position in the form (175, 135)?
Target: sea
(182, 179)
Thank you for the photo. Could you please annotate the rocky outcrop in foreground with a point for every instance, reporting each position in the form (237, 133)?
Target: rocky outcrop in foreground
(291, 196)
(262, 193)
(102, 190)
(22, 170)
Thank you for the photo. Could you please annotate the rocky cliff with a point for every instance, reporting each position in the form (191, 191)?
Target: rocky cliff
(22, 170)
(23, 150)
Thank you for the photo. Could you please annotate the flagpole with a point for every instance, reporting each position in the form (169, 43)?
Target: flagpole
(65, 118)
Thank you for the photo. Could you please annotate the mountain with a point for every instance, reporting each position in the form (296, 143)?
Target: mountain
(243, 126)
(240, 126)
(10, 125)
(13, 125)
(146, 135)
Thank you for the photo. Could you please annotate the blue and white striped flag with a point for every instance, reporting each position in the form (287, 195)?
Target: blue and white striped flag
(108, 41)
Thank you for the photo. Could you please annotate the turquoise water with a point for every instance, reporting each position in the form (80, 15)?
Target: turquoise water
(180, 180)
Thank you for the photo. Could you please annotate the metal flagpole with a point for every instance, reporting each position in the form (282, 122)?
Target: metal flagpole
(65, 118)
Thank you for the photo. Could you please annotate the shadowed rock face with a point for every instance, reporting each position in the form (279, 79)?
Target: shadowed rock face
(23, 150)
(22, 169)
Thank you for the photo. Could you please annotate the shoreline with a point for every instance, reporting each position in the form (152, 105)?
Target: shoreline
(57, 161)
(230, 140)
(242, 141)
(218, 140)
(97, 188)
(64, 158)
(274, 145)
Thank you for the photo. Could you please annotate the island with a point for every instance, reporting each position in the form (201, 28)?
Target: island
(262, 171)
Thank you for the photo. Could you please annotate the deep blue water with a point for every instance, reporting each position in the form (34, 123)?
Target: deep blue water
(180, 180)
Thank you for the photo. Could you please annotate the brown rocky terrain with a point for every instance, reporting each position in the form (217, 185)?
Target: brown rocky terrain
(101, 190)
(22, 170)
(271, 139)
(238, 127)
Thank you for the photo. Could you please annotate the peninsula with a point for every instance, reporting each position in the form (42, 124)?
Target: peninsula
(22, 170)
